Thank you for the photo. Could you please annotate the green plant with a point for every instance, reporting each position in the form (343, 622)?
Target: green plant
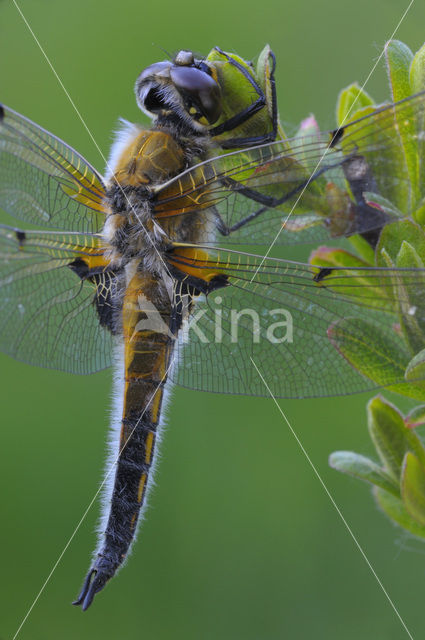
(398, 478)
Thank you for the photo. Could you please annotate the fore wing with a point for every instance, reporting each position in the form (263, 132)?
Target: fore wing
(315, 186)
(44, 181)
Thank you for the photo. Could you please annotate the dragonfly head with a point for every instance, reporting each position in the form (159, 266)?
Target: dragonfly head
(249, 106)
(222, 95)
(185, 89)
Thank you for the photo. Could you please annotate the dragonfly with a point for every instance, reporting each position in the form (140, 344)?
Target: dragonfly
(156, 267)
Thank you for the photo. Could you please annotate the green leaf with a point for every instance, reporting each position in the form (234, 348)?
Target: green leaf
(360, 113)
(390, 435)
(419, 213)
(308, 127)
(399, 59)
(413, 487)
(363, 248)
(415, 370)
(350, 100)
(394, 508)
(361, 467)
(392, 237)
(417, 71)
(386, 205)
(411, 299)
(408, 257)
(378, 356)
(415, 417)
(417, 84)
(402, 245)
(387, 430)
(308, 134)
(334, 257)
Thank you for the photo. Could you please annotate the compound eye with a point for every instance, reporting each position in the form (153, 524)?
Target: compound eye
(200, 89)
(148, 87)
(158, 69)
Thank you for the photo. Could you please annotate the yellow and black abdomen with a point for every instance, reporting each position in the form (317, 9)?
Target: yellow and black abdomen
(146, 324)
(148, 346)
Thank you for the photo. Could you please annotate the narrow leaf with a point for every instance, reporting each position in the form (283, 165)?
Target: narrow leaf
(415, 370)
(350, 100)
(387, 430)
(361, 467)
(377, 356)
(393, 235)
(415, 417)
(394, 508)
(399, 58)
(417, 71)
(386, 205)
(390, 435)
(413, 487)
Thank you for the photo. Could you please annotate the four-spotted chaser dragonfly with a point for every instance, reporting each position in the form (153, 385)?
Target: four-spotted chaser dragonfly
(150, 265)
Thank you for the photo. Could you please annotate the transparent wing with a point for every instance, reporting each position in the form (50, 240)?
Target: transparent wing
(302, 326)
(330, 184)
(44, 181)
(48, 313)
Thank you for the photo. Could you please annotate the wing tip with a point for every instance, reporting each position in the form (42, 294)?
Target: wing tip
(1, 112)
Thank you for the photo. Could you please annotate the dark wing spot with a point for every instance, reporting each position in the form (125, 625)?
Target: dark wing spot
(79, 267)
(1, 112)
(324, 271)
(199, 286)
(20, 236)
(336, 136)
(218, 282)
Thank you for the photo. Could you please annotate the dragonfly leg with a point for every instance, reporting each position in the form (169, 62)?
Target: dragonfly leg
(225, 230)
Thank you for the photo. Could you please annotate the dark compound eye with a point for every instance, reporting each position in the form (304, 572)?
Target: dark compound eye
(205, 68)
(148, 86)
(157, 69)
(200, 88)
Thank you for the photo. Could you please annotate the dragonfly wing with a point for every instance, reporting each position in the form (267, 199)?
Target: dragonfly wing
(293, 321)
(50, 315)
(309, 187)
(44, 181)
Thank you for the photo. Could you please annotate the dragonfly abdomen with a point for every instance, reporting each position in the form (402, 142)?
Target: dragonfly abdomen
(148, 346)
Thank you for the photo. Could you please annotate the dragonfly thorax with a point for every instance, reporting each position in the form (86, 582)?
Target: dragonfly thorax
(133, 233)
(140, 161)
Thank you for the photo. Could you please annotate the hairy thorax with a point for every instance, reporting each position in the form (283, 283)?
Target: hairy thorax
(141, 160)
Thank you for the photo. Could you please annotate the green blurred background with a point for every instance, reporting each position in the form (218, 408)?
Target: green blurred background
(240, 541)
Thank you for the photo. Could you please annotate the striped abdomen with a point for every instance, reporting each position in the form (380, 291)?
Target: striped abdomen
(148, 344)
